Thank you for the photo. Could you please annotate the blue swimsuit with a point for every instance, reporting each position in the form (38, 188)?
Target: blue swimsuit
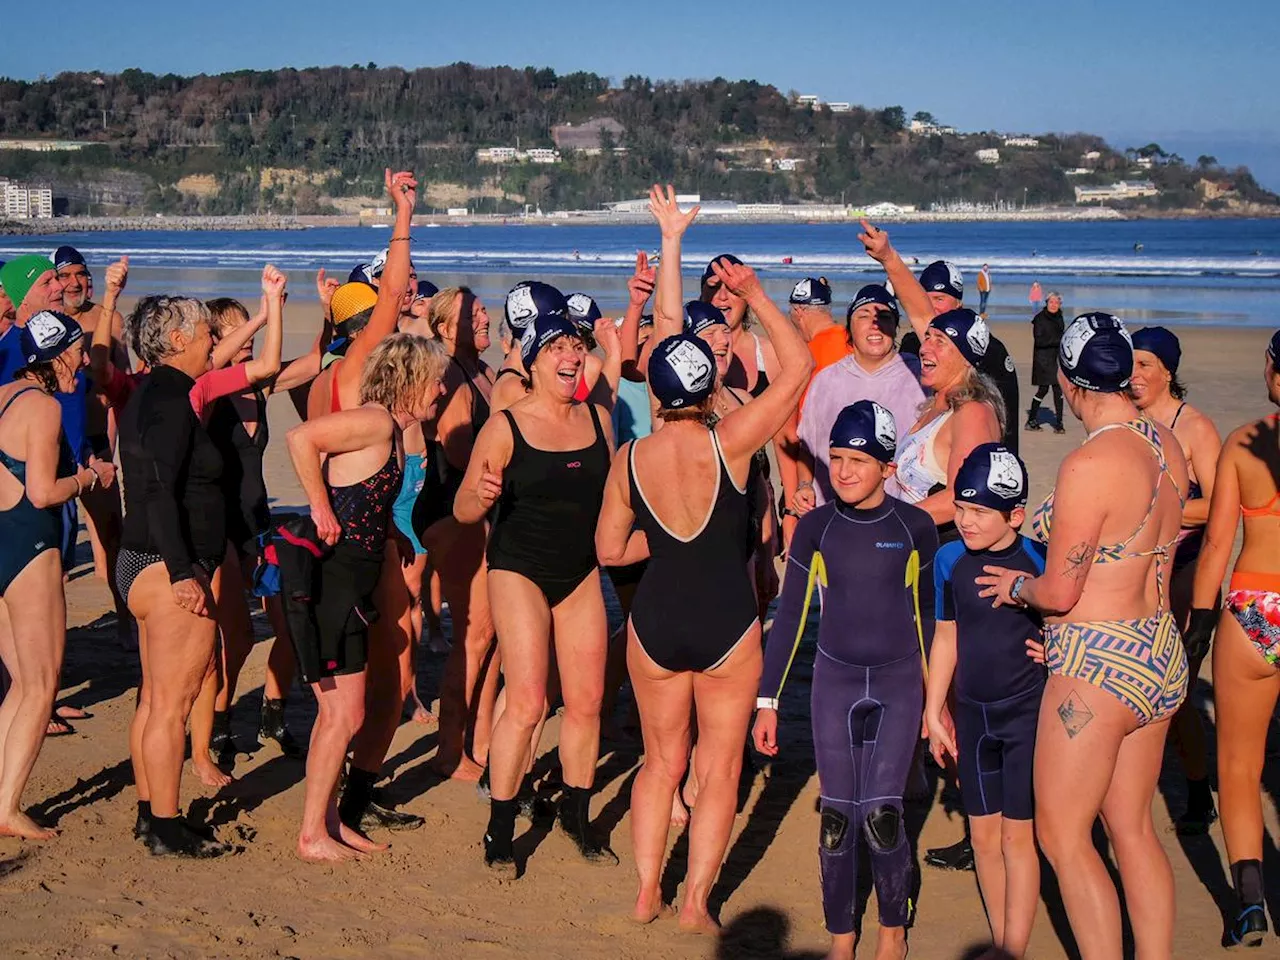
(28, 530)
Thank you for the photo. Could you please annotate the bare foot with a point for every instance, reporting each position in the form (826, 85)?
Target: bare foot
(419, 713)
(679, 815)
(464, 769)
(210, 774)
(698, 921)
(57, 727)
(325, 849)
(358, 841)
(891, 944)
(18, 824)
(649, 907)
(67, 712)
(689, 792)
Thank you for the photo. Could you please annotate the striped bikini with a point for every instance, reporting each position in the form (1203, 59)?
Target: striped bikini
(1140, 662)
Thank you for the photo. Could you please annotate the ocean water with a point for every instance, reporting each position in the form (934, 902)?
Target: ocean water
(1212, 272)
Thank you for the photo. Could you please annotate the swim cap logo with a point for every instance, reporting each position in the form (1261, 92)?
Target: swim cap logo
(527, 339)
(1008, 363)
(1004, 477)
(858, 442)
(379, 262)
(969, 492)
(886, 430)
(1073, 344)
(979, 336)
(953, 274)
(690, 364)
(520, 307)
(579, 306)
(46, 330)
(802, 291)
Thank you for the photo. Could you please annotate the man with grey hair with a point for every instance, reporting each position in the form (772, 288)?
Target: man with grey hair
(1046, 330)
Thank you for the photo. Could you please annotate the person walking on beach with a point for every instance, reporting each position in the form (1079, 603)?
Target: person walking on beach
(1046, 331)
(984, 288)
(1036, 294)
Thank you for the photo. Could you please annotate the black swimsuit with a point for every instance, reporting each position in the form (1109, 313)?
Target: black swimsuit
(441, 479)
(695, 601)
(545, 524)
(248, 512)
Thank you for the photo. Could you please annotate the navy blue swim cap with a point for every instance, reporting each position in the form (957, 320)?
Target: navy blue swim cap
(993, 476)
(968, 331)
(361, 273)
(66, 256)
(867, 427)
(873, 293)
(1273, 348)
(942, 276)
(698, 315)
(812, 292)
(583, 311)
(46, 335)
(708, 274)
(1163, 343)
(1096, 353)
(682, 372)
(646, 321)
(530, 299)
(542, 331)
(426, 289)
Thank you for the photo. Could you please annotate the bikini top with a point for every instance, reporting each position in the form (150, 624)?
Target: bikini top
(1269, 509)
(919, 471)
(1042, 521)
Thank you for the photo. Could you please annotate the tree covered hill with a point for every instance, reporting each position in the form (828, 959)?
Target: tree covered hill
(300, 141)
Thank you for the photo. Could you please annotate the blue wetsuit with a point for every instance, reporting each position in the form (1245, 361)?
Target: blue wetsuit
(998, 687)
(868, 685)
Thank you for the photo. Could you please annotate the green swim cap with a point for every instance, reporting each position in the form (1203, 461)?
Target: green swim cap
(20, 274)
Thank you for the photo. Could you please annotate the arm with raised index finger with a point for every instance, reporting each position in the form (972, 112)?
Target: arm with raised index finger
(482, 484)
(745, 430)
(906, 287)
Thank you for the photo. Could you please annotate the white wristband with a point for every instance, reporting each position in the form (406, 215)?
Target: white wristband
(766, 703)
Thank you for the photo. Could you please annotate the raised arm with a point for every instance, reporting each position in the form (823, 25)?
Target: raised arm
(482, 484)
(668, 309)
(102, 350)
(640, 288)
(267, 364)
(906, 287)
(402, 188)
(748, 428)
(226, 349)
(605, 392)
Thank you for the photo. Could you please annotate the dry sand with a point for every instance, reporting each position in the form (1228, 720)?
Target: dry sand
(93, 891)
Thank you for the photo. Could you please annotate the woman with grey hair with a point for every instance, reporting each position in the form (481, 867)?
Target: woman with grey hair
(174, 539)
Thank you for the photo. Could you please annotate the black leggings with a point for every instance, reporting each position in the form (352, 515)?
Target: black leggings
(1041, 393)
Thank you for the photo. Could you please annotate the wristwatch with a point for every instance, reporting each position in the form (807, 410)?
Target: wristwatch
(788, 512)
(1015, 591)
(766, 703)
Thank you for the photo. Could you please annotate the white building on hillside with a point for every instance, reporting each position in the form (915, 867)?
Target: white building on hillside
(18, 201)
(1124, 190)
(1021, 142)
(496, 154)
(808, 100)
(988, 155)
(839, 107)
(543, 155)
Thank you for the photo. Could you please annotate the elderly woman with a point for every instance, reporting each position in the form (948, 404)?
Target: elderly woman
(1117, 668)
(36, 478)
(964, 411)
(1046, 331)
(175, 536)
(1246, 652)
(349, 464)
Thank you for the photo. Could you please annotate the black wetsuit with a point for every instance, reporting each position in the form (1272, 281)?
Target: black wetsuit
(545, 521)
(676, 625)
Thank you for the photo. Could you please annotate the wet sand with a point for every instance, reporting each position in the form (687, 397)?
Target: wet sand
(94, 892)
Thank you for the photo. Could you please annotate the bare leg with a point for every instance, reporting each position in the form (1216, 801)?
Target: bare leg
(105, 520)
(581, 632)
(1078, 740)
(280, 661)
(988, 862)
(236, 626)
(139, 722)
(1022, 884)
(433, 610)
(725, 699)
(666, 705)
(32, 637)
(202, 711)
(413, 581)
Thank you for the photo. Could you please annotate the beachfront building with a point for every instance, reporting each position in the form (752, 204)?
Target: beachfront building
(988, 155)
(1124, 190)
(1026, 142)
(542, 155)
(44, 146)
(19, 201)
(512, 155)
(496, 155)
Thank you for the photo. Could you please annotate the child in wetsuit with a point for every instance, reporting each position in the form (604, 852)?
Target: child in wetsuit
(998, 687)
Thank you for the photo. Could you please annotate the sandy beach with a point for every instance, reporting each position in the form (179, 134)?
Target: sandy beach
(94, 892)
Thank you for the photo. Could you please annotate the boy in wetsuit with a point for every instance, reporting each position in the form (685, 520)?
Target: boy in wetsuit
(998, 686)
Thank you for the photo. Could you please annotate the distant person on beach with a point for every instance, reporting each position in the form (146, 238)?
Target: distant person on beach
(1117, 667)
(871, 557)
(940, 288)
(1246, 649)
(1160, 395)
(1046, 331)
(1036, 296)
(984, 288)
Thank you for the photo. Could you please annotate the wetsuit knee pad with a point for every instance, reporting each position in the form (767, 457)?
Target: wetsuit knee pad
(835, 828)
(883, 828)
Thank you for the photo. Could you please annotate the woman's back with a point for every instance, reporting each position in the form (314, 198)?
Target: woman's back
(1254, 456)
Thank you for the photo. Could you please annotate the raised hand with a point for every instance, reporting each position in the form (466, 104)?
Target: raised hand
(666, 211)
(325, 287)
(738, 278)
(402, 188)
(117, 276)
(642, 282)
(606, 334)
(273, 282)
(876, 242)
(489, 489)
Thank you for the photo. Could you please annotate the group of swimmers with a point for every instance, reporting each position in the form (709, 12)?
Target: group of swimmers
(1044, 673)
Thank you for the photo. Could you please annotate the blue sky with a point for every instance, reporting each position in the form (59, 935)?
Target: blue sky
(1196, 77)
